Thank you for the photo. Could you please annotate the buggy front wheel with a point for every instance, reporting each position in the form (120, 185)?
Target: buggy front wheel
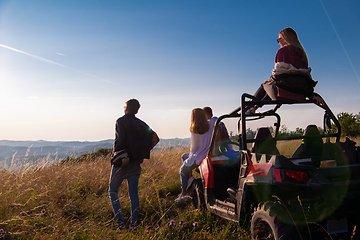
(197, 194)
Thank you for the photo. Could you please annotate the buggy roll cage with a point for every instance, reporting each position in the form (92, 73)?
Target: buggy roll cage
(248, 101)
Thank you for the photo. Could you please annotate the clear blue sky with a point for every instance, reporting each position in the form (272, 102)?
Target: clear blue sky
(67, 67)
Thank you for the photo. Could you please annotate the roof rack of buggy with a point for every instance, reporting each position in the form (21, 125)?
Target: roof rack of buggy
(252, 102)
(248, 101)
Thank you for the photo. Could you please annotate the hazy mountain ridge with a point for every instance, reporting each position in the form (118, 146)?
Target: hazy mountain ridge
(44, 148)
(42, 143)
(17, 153)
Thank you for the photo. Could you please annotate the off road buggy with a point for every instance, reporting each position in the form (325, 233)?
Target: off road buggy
(313, 194)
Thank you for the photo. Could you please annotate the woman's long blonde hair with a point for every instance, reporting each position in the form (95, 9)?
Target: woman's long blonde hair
(199, 123)
(290, 36)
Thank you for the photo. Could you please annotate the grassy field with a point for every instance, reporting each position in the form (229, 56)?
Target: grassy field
(70, 201)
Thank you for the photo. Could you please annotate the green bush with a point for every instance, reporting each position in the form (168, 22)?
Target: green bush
(350, 124)
(102, 152)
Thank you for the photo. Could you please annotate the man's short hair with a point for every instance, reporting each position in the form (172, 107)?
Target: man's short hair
(133, 106)
(208, 111)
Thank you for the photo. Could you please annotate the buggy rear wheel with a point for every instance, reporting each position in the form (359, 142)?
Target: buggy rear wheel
(266, 225)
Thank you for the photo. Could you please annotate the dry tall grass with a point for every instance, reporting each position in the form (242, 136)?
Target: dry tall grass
(70, 201)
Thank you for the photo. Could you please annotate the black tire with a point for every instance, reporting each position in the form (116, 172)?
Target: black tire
(197, 194)
(265, 225)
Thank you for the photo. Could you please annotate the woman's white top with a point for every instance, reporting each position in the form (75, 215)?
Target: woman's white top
(200, 144)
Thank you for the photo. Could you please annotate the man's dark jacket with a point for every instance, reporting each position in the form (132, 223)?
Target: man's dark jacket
(133, 135)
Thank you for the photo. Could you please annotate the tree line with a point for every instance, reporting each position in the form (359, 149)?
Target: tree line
(349, 122)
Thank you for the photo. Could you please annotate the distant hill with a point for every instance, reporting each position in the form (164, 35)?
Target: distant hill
(14, 154)
(174, 142)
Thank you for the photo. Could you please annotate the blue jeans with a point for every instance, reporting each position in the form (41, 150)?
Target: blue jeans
(186, 171)
(266, 91)
(115, 183)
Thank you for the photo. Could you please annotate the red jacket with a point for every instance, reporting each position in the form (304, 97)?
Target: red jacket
(292, 55)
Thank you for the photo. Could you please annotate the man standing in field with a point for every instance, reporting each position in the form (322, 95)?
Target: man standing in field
(136, 139)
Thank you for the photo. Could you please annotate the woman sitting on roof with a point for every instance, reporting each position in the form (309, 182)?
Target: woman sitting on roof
(290, 77)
